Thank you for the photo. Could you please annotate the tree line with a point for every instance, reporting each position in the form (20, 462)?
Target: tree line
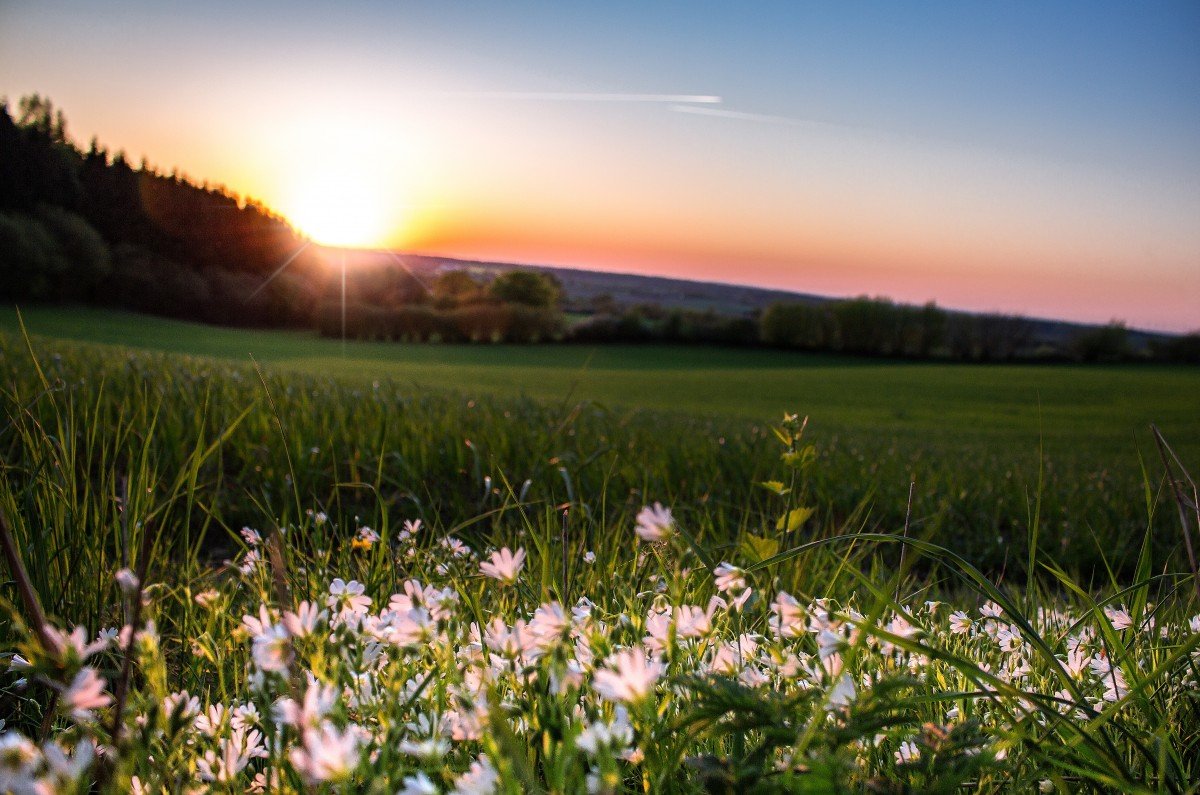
(86, 226)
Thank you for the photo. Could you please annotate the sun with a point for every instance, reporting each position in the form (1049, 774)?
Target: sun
(339, 204)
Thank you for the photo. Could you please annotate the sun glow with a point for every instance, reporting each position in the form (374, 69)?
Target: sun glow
(341, 204)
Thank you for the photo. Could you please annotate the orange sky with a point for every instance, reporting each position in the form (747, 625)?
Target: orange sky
(971, 163)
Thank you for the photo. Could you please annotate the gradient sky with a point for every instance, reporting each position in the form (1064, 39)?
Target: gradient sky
(1041, 158)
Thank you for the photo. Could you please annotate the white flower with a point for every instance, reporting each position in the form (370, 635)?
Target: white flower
(66, 770)
(206, 598)
(729, 578)
(327, 754)
(18, 759)
(908, 752)
(504, 565)
(272, 649)
(236, 752)
(85, 693)
(304, 621)
(418, 785)
(616, 736)
(181, 704)
(1120, 618)
(128, 581)
(347, 597)
(788, 616)
(629, 678)
(253, 537)
(842, 692)
(654, 523)
(245, 716)
(589, 557)
(76, 644)
(209, 723)
(1077, 662)
(481, 779)
(318, 701)
(960, 623)
(430, 748)
(456, 548)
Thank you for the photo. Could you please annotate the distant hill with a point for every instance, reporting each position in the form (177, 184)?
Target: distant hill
(582, 288)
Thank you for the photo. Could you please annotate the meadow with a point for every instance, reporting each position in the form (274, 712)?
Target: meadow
(429, 568)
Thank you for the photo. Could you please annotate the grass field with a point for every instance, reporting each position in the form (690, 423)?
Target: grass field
(1097, 412)
(1028, 640)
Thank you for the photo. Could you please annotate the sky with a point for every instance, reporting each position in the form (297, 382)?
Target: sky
(1025, 157)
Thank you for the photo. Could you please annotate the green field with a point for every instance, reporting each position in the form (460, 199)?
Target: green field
(971, 437)
(1095, 411)
(135, 442)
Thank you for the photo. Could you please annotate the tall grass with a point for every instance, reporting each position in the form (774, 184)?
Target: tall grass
(112, 455)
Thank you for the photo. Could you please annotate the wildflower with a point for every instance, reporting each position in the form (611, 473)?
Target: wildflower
(617, 735)
(245, 716)
(456, 548)
(589, 557)
(655, 524)
(629, 678)
(181, 705)
(18, 759)
(252, 537)
(327, 754)
(548, 623)
(206, 598)
(304, 621)
(85, 693)
(429, 749)
(365, 539)
(504, 565)
(347, 597)
(1112, 677)
(1120, 618)
(787, 616)
(272, 651)
(729, 578)
(842, 693)
(907, 753)
(318, 701)
(1077, 662)
(75, 645)
(128, 581)
(236, 751)
(991, 610)
(481, 779)
(250, 561)
(960, 623)
(418, 785)
(65, 770)
(209, 723)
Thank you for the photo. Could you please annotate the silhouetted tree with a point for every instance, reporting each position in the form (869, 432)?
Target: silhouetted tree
(528, 288)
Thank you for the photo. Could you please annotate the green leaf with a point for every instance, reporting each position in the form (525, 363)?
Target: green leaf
(799, 459)
(794, 518)
(775, 486)
(758, 548)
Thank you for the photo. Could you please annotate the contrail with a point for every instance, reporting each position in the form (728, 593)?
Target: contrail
(764, 118)
(585, 96)
(279, 270)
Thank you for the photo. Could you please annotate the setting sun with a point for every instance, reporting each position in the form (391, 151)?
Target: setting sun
(340, 204)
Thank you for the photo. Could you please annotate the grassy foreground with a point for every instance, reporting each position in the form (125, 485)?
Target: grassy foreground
(439, 590)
